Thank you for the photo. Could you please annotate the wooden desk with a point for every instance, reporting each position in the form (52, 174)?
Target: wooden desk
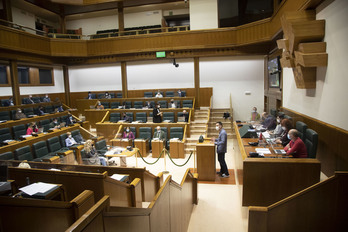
(56, 193)
(157, 147)
(125, 153)
(206, 167)
(143, 146)
(177, 149)
(268, 180)
(122, 142)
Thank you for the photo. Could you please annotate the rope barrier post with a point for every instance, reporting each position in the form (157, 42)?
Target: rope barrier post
(136, 156)
(194, 160)
(165, 163)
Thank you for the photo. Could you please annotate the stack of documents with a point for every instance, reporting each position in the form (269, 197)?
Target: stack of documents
(263, 151)
(37, 188)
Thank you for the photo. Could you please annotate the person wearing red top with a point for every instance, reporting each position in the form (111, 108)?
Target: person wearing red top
(32, 129)
(296, 146)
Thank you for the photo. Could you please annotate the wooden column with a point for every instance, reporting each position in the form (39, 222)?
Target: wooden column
(7, 10)
(124, 79)
(120, 16)
(197, 84)
(66, 84)
(62, 19)
(14, 83)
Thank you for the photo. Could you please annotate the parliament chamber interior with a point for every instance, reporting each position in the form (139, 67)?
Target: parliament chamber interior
(173, 115)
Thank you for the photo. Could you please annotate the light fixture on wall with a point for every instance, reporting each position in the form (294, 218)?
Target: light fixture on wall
(175, 64)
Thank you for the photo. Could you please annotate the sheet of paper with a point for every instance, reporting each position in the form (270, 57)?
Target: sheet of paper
(118, 177)
(37, 188)
(263, 150)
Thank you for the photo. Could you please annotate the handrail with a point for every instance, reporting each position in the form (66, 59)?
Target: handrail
(118, 132)
(87, 131)
(184, 138)
(207, 126)
(20, 27)
(231, 111)
(107, 113)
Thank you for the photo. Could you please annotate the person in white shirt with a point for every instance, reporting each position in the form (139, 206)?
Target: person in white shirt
(172, 104)
(159, 94)
(70, 141)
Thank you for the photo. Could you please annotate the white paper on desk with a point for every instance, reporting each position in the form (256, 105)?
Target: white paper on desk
(37, 188)
(118, 177)
(263, 150)
(266, 135)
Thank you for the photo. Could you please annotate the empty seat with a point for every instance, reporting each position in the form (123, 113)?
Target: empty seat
(101, 147)
(311, 143)
(130, 115)
(62, 139)
(170, 94)
(40, 151)
(141, 116)
(176, 132)
(127, 104)
(178, 104)
(4, 102)
(5, 134)
(301, 127)
(119, 95)
(7, 156)
(112, 95)
(114, 105)
(114, 117)
(45, 124)
(168, 116)
(148, 94)
(36, 99)
(187, 103)
(163, 104)
(145, 133)
(5, 116)
(63, 118)
(54, 146)
(288, 117)
(106, 105)
(100, 95)
(28, 111)
(23, 153)
(18, 131)
(49, 109)
(138, 104)
(77, 136)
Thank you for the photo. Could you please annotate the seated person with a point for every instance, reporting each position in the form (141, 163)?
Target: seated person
(19, 114)
(70, 120)
(54, 124)
(180, 94)
(255, 116)
(9, 102)
(125, 117)
(127, 134)
(269, 121)
(107, 95)
(60, 108)
(159, 134)
(89, 95)
(148, 105)
(32, 129)
(172, 104)
(158, 94)
(41, 111)
(70, 141)
(46, 98)
(99, 106)
(278, 130)
(296, 146)
(286, 127)
(92, 155)
(30, 100)
(186, 115)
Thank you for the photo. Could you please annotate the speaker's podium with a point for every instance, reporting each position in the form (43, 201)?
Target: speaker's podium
(206, 167)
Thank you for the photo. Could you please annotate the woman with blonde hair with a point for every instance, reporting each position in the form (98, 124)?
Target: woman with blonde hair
(92, 155)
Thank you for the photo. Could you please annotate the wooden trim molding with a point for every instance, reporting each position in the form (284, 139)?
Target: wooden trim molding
(332, 150)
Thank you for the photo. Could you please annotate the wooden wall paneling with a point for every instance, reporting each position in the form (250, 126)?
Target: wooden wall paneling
(66, 85)
(175, 207)
(14, 83)
(197, 82)
(124, 79)
(331, 151)
(68, 47)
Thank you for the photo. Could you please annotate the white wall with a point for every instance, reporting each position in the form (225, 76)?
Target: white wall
(234, 75)
(176, 12)
(95, 78)
(160, 74)
(23, 18)
(146, 18)
(92, 25)
(328, 102)
(203, 14)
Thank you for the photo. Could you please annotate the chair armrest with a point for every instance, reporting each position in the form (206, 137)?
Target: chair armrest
(53, 159)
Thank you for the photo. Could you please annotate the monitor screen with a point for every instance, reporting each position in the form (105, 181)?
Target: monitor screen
(160, 54)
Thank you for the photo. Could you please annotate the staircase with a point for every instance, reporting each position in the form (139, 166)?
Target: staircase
(216, 115)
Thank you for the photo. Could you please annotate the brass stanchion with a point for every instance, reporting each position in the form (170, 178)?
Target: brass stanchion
(194, 160)
(165, 163)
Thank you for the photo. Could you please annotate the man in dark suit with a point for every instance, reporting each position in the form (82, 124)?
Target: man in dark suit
(159, 134)
(157, 114)
(149, 105)
(9, 102)
(70, 120)
(30, 100)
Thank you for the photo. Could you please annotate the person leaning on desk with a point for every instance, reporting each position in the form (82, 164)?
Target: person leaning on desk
(286, 126)
(296, 146)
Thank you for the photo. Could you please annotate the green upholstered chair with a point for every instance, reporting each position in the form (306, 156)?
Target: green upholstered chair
(118, 95)
(63, 118)
(18, 131)
(114, 105)
(49, 109)
(273, 112)
(145, 133)
(40, 151)
(23, 153)
(288, 117)
(148, 94)
(36, 99)
(7, 156)
(106, 105)
(101, 147)
(77, 136)
(54, 146)
(141, 116)
(45, 124)
(101, 95)
(311, 143)
(187, 103)
(138, 104)
(176, 132)
(183, 92)
(127, 104)
(301, 127)
(112, 95)
(170, 94)
(5, 134)
(5, 115)
(62, 139)
(130, 115)
(163, 104)
(28, 111)
(168, 116)
(114, 117)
